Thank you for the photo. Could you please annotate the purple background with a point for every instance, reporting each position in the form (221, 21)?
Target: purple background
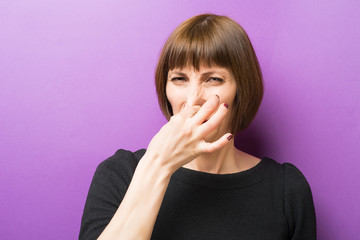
(76, 83)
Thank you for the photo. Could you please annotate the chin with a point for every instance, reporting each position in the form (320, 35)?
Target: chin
(214, 135)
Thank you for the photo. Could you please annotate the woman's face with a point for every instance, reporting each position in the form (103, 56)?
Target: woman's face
(188, 86)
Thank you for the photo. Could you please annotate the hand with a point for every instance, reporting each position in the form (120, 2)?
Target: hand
(182, 139)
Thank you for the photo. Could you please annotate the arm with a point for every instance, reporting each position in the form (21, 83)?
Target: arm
(136, 215)
(299, 206)
(177, 143)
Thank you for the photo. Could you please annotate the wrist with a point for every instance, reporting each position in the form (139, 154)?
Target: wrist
(154, 166)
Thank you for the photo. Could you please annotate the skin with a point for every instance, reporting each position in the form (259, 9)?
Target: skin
(191, 88)
(195, 137)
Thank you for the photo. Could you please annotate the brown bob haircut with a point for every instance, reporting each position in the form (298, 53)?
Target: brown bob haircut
(211, 40)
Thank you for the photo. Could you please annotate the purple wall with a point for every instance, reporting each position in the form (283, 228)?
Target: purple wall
(76, 83)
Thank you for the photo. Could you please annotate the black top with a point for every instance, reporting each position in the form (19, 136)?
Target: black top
(269, 201)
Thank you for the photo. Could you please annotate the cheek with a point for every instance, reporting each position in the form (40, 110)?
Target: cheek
(232, 94)
(175, 98)
(227, 97)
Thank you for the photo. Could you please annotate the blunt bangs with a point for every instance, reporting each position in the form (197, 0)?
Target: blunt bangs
(196, 47)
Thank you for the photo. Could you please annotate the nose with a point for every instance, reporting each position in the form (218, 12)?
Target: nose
(196, 95)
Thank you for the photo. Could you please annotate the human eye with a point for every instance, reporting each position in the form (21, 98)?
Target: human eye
(215, 79)
(178, 80)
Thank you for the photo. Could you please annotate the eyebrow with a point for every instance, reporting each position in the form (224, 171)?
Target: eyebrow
(203, 74)
(213, 72)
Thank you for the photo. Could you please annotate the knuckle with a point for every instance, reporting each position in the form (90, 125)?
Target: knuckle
(211, 148)
(187, 132)
(208, 150)
(211, 124)
(209, 107)
(175, 118)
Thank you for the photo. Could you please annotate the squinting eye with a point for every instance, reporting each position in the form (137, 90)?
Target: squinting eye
(178, 79)
(216, 79)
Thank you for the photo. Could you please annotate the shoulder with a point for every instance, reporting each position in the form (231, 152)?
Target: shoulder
(289, 173)
(298, 203)
(287, 176)
(123, 157)
(108, 187)
(297, 198)
(123, 162)
(294, 181)
(113, 175)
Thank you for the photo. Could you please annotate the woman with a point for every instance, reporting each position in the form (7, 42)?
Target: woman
(191, 182)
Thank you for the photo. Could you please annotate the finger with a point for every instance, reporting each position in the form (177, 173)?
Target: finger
(207, 109)
(206, 147)
(215, 120)
(189, 111)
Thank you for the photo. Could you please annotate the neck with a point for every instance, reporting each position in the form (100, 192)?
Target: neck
(224, 161)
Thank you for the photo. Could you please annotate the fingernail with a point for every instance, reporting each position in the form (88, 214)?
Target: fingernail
(229, 137)
(226, 105)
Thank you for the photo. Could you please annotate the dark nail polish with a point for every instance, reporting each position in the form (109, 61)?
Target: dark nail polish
(226, 105)
(229, 137)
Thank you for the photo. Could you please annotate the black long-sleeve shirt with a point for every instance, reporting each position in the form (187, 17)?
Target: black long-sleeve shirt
(269, 201)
